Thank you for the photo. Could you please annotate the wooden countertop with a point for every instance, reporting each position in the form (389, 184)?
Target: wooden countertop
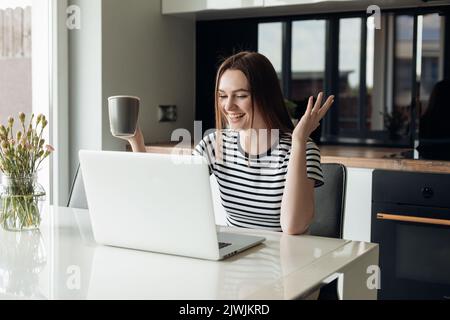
(356, 157)
(380, 158)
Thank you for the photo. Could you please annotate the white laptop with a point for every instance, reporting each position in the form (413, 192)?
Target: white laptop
(156, 202)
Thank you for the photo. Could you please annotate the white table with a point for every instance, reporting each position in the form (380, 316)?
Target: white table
(62, 261)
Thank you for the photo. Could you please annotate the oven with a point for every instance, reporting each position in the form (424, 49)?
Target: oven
(411, 223)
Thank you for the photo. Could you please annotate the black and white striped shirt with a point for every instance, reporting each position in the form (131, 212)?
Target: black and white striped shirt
(251, 186)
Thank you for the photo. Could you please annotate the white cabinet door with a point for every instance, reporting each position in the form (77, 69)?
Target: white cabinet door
(358, 204)
(191, 6)
(275, 3)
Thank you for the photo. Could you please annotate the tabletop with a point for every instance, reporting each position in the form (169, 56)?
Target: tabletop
(62, 261)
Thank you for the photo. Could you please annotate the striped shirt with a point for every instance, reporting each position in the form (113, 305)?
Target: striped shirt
(251, 186)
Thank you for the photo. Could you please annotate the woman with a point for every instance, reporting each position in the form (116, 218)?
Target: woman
(261, 187)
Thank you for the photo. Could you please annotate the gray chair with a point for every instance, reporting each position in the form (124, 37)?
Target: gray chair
(329, 213)
(329, 202)
(77, 197)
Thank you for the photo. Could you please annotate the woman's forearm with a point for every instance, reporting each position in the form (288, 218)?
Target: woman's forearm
(297, 205)
(137, 142)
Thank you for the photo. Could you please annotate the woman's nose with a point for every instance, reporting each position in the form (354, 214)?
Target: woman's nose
(229, 105)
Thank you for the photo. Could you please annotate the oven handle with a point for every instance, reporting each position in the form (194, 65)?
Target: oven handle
(386, 216)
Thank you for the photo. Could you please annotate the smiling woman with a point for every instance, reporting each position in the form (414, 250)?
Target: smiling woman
(265, 167)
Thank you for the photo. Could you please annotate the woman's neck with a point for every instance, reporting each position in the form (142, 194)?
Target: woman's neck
(258, 141)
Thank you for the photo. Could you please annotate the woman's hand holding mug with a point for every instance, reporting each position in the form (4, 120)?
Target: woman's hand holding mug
(123, 115)
(123, 119)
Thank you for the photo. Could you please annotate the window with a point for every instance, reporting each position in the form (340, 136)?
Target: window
(349, 73)
(432, 93)
(383, 78)
(431, 59)
(403, 81)
(15, 59)
(270, 44)
(307, 60)
(26, 32)
(375, 93)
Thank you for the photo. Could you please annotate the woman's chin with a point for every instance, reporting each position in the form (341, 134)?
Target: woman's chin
(236, 127)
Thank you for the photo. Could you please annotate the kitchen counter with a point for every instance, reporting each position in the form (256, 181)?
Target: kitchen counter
(350, 156)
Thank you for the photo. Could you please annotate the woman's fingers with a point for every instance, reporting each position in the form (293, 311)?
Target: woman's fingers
(327, 105)
(318, 103)
(317, 110)
(310, 106)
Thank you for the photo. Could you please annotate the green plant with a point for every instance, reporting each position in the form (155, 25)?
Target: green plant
(21, 154)
(291, 107)
(394, 122)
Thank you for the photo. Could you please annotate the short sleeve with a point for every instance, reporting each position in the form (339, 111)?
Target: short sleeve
(313, 164)
(205, 148)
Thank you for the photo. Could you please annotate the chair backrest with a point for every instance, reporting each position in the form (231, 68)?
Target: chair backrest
(329, 202)
(77, 197)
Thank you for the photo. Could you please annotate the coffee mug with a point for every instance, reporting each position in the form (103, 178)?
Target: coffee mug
(123, 115)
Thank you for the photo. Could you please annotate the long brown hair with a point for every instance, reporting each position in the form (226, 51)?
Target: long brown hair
(264, 89)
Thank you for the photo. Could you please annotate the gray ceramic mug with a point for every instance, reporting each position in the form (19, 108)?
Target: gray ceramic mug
(123, 115)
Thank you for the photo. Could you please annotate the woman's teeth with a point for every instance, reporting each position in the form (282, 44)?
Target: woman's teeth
(236, 116)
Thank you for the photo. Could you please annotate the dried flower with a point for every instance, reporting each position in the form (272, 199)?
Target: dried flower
(21, 154)
(22, 117)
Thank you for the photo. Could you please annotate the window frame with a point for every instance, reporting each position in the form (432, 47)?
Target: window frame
(330, 134)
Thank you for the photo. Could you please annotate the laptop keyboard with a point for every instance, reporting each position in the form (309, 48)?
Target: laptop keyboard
(223, 245)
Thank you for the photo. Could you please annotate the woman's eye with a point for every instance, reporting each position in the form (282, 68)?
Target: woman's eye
(242, 97)
(222, 97)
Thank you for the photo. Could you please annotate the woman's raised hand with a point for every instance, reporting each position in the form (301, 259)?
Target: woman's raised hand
(311, 119)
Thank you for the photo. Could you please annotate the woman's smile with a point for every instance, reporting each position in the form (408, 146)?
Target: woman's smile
(235, 117)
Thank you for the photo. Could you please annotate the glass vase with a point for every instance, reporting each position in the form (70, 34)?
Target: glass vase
(21, 200)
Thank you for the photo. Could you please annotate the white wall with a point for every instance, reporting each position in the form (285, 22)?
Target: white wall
(150, 56)
(85, 81)
(128, 47)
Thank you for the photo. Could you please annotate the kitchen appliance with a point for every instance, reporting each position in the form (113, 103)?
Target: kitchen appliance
(411, 223)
